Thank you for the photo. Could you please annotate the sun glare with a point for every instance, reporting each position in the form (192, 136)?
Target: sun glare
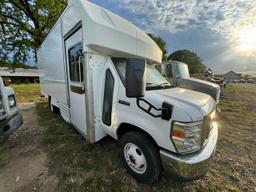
(246, 41)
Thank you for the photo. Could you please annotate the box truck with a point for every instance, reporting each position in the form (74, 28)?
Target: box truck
(99, 71)
(10, 117)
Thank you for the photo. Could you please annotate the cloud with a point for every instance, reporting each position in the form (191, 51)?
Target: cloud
(212, 28)
(173, 16)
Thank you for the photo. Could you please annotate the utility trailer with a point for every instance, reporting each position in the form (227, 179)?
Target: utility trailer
(99, 72)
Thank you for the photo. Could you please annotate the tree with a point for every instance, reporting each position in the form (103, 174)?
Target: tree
(247, 76)
(23, 26)
(161, 43)
(195, 63)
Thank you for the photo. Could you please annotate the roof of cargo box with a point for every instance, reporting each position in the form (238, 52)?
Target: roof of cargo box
(112, 35)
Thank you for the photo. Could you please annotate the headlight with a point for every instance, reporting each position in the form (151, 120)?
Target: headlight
(12, 101)
(187, 136)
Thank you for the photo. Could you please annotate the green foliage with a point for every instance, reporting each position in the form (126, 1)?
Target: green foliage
(246, 76)
(161, 43)
(15, 65)
(195, 63)
(23, 26)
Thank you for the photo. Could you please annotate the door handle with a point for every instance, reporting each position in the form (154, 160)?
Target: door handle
(80, 78)
(79, 68)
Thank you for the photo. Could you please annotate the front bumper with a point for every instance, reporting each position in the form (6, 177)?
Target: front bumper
(11, 124)
(193, 166)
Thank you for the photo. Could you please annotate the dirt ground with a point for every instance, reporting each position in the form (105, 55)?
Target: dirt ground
(26, 169)
(47, 155)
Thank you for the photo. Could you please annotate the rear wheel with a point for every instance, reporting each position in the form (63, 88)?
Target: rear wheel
(140, 156)
(52, 107)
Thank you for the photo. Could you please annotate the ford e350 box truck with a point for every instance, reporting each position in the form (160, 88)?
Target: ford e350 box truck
(99, 72)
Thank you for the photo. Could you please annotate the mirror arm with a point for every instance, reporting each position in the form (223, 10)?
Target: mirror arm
(165, 108)
(148, 111)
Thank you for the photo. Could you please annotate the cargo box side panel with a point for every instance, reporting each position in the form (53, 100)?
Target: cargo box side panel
(51, 63)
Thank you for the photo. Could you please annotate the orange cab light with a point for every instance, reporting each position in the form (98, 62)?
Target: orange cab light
(179, 134)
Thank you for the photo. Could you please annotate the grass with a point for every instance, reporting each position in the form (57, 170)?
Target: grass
(27, 93)
(80, 166)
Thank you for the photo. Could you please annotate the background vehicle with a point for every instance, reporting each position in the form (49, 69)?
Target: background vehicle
(177, 73)
(99, 72)
(10, 117)
(251, 81)
(209, 76)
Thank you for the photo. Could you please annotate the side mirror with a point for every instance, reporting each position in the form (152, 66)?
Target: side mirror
(177, 79)
(135, 77)
(7, 82)
(166, 111)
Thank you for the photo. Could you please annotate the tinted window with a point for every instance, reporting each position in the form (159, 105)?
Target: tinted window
(75, 56)
(108, 98)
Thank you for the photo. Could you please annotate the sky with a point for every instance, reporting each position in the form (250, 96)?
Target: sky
(221, 32)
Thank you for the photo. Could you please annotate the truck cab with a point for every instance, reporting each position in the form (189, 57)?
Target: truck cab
(10, 117)
(165, 117)
(100, 72)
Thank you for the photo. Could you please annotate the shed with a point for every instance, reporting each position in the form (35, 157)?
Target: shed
(231, 76)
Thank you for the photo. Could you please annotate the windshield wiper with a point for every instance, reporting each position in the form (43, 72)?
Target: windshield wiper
(163, 85)
(153, 84)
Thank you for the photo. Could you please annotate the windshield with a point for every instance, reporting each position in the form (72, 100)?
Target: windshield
(154, 79)
(182, 71)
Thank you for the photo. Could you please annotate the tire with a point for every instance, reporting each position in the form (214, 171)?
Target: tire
(53, 108)
(49, 102)
(140, 156)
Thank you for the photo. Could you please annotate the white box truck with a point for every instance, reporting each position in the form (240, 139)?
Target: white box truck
(99, 72)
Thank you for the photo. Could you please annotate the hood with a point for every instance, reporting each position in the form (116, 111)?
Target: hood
(195, 104)
(187, 96)
(202, 86)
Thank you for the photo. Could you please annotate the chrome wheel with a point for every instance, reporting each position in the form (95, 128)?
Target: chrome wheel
(135, 158)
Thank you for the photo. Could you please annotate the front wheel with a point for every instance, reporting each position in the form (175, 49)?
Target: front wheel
(140, 156)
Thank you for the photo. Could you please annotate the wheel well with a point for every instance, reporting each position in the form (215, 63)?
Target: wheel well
(126, 127)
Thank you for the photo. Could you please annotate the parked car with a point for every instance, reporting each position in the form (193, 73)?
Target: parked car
(99, 73)
(176, 72)
(10, 117)
(242, 81)
(225, 81)
(251, 81)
